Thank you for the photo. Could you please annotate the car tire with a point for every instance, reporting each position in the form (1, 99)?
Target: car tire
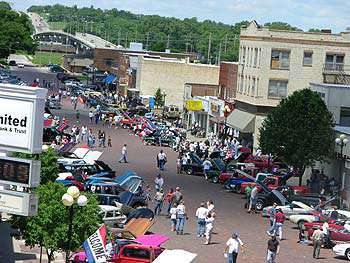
(259, 205)
(137, 205)
(189, 171)
(215, 179)
(301, 224)
(347, 254)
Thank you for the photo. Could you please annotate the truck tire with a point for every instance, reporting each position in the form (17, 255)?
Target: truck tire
(259, 205)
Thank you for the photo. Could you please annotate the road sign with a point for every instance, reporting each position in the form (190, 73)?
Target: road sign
(18, 203)
(20, 172)
(21, 118)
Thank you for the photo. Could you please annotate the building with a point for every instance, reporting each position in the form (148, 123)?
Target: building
(228, 80)
(275, 63)
(171, 75)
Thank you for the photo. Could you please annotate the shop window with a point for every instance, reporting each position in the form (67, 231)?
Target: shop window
(277, 88)
(345, 116)
(280, 59)
(109, 62)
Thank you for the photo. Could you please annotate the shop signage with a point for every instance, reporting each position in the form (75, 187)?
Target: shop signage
(18, 203)
(194, 105)
(21, 118)
(20, 172)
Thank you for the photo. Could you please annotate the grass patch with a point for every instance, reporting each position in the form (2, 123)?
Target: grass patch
(44, 58)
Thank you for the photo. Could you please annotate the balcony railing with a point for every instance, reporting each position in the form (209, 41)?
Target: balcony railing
(335, 67)
(336, 73)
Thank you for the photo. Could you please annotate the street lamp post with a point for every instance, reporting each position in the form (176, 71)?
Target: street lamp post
(164, 95)
(342, 140)
(68, 200)
(226, 111)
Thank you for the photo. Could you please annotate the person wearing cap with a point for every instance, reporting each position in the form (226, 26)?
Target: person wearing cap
(273, 247)
(177, 196)
(278, 223)
(232, 248)
(158, 198)
(317, 238)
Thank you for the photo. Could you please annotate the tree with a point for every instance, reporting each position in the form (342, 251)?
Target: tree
(49, 228)
(158, 98)
(49, 165)
(299, 130)
(314, 30)
(282, 26)
(4, 5)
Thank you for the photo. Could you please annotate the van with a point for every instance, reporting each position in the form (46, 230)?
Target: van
(171, 112)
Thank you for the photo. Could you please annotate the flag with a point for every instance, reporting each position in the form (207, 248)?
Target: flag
(95, 246)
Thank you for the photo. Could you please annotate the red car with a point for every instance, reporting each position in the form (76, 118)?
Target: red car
(228, 174)
(135, 253)
(337, 230)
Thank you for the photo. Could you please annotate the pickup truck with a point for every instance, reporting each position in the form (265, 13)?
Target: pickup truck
(273, 182)
(135, 253)
(234, 184)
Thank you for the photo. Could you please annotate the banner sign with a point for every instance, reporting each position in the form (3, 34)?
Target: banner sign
(194, 105)
(18, 203)
(21, 118)
(95, 246)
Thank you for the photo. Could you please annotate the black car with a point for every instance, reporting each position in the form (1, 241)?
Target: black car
(285, 195)
(12, 63)
(194, 165)
(98, 168)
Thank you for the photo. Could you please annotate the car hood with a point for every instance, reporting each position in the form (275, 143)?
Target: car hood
(152, 240)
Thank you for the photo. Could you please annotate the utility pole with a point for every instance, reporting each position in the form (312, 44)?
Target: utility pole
(136, 35)
(126, 40)
(168, 42)
(225, 43)
(118, 37)
(209, 47)
(219, 56)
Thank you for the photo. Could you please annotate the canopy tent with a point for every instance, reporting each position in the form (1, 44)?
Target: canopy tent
(175, 256)
(242, 121)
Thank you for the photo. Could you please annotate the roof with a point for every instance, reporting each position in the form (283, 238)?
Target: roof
(342, 129)
(127, 174)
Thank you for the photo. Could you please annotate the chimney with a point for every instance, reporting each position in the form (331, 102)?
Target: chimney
(327, 31)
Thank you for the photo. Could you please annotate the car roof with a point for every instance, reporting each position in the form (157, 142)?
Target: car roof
(125, 176)
(108, 208)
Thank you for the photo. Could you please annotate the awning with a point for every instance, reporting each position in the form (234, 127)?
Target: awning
(217, 119)
(110, 79)
(242, 121)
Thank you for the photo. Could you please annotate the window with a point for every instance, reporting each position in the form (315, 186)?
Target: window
(280, 59)
(248, 86)
(109, 62)
(307, 60)
(334, 62)
(134, 252)
(277, 88)
(241, 84)
(255, 64)
(344, 116)
(253, 86)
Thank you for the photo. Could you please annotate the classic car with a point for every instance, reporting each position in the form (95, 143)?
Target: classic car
(234, 184)
(291, 209)
(231, 168)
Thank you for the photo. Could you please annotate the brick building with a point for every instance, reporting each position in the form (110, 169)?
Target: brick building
(228, 80)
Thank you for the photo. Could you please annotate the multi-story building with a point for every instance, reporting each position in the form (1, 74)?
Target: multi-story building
(275, 63)
(228, 80)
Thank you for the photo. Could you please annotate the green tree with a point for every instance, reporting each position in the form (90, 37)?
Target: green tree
(314, 30)
(299, 130)
(49, 166)
(282, 26)
(158, 98)
(4, 5)
(49, 228)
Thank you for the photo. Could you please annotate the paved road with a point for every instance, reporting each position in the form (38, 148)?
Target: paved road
(231, 215)
(21, 59)
(39, 24)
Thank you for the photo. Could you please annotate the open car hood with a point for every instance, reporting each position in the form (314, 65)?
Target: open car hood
(175, 256)
(135, 228)
(152, 240)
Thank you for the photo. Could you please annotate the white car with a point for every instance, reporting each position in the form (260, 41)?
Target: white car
(20, 65)
(111, 215)
(302, 218)
(342, 250)
(294, 208)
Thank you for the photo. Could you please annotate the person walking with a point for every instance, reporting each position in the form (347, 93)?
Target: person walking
(177, 196)
(253, 199)
(124, 155)
(91, 116)
(279, 221)
(206, 167)
(109, 142)
(168, 198)
(201, 215)
(158, 182)
(273, 247)
(210, 206)
(317, 238)
(209, 225)
(232, 248)
(273, 212)
(103, 139)
(161, 160)
(158, 198)
(173, 215)
(180, 219)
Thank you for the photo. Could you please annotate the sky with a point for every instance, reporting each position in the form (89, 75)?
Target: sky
(305, 14)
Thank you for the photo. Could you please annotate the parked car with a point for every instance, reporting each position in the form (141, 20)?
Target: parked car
(94, 168)
(194, 166)
(171, 111)
(111, 216)
(234, 184)
(342, 250)
(231, 171)
(291, 209)
(136, 253)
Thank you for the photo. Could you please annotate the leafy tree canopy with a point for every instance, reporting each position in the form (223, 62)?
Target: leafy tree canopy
(15, 33)
(4, 5)
(158, 98)
(49, 227)
(282, 26)
(49, 166)
(299, 129)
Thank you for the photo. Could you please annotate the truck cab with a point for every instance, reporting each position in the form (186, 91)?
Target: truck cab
(135, 253)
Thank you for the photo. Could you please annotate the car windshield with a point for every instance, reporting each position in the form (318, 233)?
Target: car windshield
(280, 196)
(219, 163)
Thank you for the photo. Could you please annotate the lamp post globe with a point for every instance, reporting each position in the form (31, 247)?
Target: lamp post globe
(67, 200)
(82, 201)
(345, 141)
(73, 191)
(342, 136)
(338, 141)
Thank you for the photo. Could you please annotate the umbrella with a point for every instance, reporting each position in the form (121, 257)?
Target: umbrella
(175, 256)
(152, 240)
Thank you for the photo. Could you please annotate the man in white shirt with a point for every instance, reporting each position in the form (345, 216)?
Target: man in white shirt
(201, 215)
(232, 248)
(158, 182)
(161, 159)
(124, 155)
